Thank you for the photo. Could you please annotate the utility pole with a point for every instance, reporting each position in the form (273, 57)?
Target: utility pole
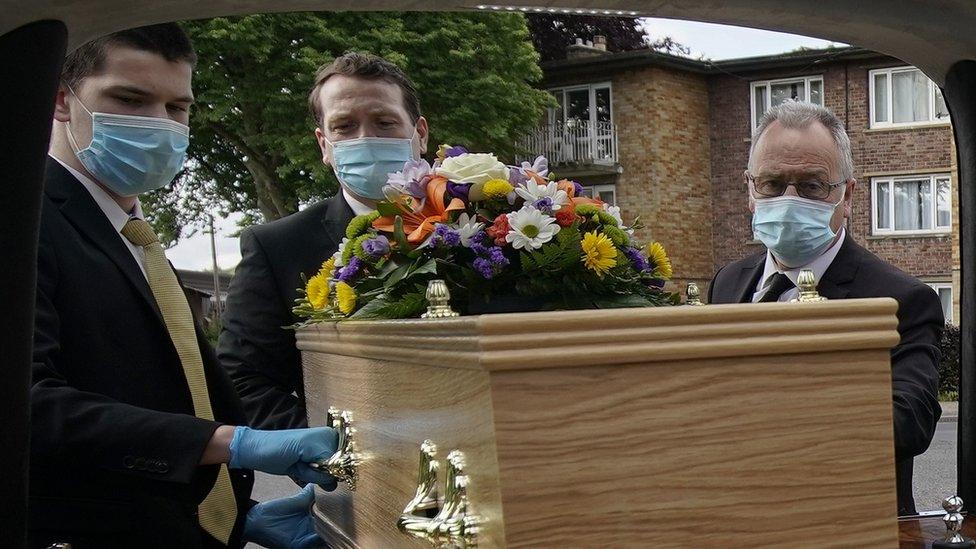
(216, 271)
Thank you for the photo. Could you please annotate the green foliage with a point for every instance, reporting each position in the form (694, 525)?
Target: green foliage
(253, 149)
(949, 365)
(360, 224)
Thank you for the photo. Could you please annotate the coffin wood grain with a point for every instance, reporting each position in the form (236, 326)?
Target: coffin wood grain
(739, 425)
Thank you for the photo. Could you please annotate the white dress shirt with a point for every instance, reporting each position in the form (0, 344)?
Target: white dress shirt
(818, 266)
(358, 208)
(115, 214)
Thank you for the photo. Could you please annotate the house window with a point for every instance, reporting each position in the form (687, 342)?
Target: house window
(585, 104)
(904, 96)
(580, 128)
(945, 296)
(768, 94)
(916, 204)
(606, 193)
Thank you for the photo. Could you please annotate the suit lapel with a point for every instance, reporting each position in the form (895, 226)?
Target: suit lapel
(338, 214)
(834, 284)
(748, 278)
(83, 212)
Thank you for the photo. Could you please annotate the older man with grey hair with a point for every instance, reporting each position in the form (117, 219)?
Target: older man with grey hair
(800, 181)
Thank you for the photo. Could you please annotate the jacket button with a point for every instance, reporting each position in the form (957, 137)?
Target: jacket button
(163, 467)
(128, 462)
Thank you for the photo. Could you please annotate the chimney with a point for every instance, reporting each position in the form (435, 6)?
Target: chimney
(590, 48)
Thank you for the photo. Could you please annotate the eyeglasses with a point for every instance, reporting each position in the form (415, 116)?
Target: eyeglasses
(812, 189)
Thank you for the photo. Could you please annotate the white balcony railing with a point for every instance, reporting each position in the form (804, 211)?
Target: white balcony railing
(573, 143)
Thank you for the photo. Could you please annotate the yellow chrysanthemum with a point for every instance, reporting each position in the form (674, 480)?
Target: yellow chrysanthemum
(662, 265)
(317, 291)
(328, 267)
(346, 296)
(496, 188)
(599, 253)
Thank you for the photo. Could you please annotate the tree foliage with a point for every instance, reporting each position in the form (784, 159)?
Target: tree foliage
(252, 145)
(552, 33)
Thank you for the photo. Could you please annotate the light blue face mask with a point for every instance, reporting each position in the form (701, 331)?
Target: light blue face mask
(796, 230)
(364, 164)
(133, 154)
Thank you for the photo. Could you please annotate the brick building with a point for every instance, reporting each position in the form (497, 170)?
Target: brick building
(667, 138)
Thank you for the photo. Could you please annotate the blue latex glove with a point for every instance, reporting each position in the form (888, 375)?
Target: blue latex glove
(286, 452)
(284, 523)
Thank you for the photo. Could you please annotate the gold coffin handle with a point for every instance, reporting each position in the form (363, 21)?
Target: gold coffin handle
(344, 463)
(452, 526)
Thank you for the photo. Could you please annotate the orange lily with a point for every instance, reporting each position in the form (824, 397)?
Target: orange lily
(419, 222)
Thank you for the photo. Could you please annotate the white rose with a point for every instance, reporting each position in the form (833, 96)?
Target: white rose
(476, 168)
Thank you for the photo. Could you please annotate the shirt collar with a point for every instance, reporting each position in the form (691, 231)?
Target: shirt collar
(819, 265)
(358, 207)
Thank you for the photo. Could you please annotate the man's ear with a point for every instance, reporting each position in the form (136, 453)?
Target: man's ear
(422, 134)
(752, 201)
(61, 111)
(849, 198)
(324, 147)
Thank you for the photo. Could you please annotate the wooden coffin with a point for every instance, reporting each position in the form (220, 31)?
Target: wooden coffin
(759, 425)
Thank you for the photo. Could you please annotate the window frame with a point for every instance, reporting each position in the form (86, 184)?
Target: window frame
(594, 191)
(936, 230)
(769, 96)
(944, 286)
(591, 87)
(872, 124)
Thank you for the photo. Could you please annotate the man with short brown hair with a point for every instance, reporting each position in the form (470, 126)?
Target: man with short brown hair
(367, 124)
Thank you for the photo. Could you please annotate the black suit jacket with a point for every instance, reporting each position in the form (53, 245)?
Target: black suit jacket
(255, 346)
(857, 273)
(115, 446)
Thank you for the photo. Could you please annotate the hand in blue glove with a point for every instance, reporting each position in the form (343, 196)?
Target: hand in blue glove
(286, 452)
(284, 523)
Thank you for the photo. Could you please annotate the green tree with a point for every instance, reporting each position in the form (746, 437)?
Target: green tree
(252, 147)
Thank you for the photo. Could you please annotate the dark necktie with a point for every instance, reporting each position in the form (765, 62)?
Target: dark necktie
(780, 284)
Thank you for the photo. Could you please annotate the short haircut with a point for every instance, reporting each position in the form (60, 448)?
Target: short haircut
(798, 115)
(369, 66)
(167, 40)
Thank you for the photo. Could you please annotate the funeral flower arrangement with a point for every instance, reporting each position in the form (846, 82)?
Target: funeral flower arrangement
(492, 232)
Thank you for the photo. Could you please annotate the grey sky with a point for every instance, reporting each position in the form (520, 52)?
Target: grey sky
(704, 39)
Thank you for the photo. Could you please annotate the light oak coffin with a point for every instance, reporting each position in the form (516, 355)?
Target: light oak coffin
(759, 425)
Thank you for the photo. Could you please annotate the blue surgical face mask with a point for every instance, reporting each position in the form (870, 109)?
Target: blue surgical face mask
(363, 164)
(132, 154)
(796, 230)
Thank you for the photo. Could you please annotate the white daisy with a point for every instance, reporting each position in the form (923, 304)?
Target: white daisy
(338, 255)
(615, 212)
(532, 192)
(468, 227)
(530, 228)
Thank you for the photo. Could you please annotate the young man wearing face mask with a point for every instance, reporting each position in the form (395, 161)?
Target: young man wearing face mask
(135, 437)
(368, 124)
(801, 186)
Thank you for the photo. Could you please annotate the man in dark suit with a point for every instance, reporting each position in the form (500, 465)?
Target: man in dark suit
(135, 437)
(368, 124)
(801, 185)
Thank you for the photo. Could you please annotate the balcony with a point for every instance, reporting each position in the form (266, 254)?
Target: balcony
(578, 144)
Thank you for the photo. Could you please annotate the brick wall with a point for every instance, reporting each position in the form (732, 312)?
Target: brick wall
(895, 151)
(662, 123)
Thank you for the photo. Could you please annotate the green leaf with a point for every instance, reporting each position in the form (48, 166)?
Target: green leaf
(399, 235)
(387, 209)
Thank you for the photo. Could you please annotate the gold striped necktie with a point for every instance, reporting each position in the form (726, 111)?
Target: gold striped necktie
(218, 511)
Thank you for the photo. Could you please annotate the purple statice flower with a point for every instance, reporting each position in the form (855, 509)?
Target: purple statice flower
(347, 273)
(578, 189)
(458, 190)
(377, 246)
(445, 236)
(456, 150)
(656, 283)
(636, 259)
(491, 262)
(544, 205)
(413, 179)
(540, 166)
(477, 243)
